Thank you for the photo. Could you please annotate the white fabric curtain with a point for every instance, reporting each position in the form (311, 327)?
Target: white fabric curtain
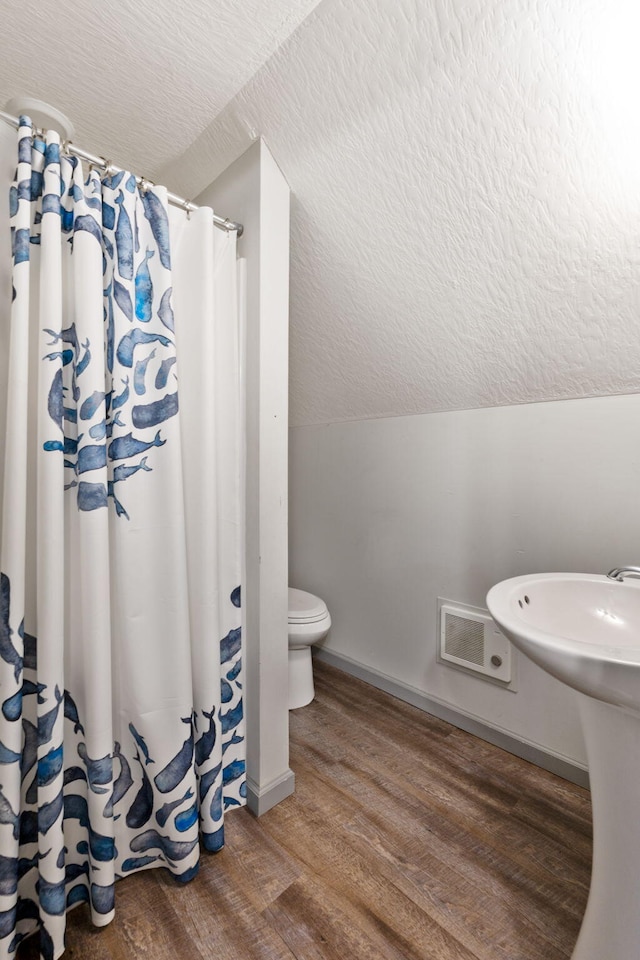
(121, 731)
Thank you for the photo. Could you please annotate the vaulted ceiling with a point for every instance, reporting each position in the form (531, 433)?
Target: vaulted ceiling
(466, 201)
(465, 176)
(139, 79)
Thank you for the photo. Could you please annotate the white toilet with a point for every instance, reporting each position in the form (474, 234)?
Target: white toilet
(309, 621)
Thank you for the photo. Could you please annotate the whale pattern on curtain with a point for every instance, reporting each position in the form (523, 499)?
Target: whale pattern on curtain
(121, 727)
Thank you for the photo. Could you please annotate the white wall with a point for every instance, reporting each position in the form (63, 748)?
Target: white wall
(253, 191)
(389, 514)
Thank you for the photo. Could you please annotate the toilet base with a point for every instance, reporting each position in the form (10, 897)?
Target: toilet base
(301, 689)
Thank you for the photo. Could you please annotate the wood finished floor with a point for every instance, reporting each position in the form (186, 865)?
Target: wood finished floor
(407, 839)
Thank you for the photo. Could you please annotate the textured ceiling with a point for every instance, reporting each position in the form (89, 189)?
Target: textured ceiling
(466, 200)
(139, 80)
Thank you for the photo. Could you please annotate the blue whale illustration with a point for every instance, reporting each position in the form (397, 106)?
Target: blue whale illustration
(110, 327)
(165, 811)
(92, 457)
(99, 431)
(30, 747)
(30, 648)
(12, 706)
(124, 240)
(235, 669)
(71, 713)
(65, 355)
(172, 849)
(20, 241)
(123, 783)
(165, 310)
(144, 289)
(7, 755)
(7, 650)
(55, 400)
(108, 216)
(232, 771)
(231, 718)
(74, 870)
(177, 768)
(207, 780)
(235, 739)
(123, 299)
(131, 340)
(142, 807)
(84, 361)
(141, 743)
(92, 404)
(91, 496)
(230, 645)
(140, 373)
(214, 841)
(48, 813)
(50, 766)
(124, 447)
(51, 896)
(47, 721)
(186, 819)
(77, 894)
(113, 423)
(102, 848)
(156, 214)
(123, 472)
(71, 774)
(114, 181)
(207, 741)
(102, 898)
(88, 224)
(122, 397)
(163, 373)
(98, 771)
(136, 863)
(151, 414)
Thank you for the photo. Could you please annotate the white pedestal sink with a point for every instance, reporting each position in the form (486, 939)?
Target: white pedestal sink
(585, 630)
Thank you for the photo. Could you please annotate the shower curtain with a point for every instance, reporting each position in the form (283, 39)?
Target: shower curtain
(121, 730)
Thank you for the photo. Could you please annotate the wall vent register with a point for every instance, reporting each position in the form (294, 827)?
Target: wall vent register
(469, 638)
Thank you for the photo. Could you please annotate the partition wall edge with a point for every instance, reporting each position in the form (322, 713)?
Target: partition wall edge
(255, 189)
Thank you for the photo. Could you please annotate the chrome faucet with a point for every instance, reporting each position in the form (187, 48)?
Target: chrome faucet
(619, 573)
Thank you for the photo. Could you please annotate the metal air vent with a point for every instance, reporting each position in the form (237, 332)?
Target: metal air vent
(469, 638)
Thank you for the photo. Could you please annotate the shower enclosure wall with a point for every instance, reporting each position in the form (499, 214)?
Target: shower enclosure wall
(256, 192)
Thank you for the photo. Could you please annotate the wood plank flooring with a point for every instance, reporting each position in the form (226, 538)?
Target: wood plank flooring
(407, 839)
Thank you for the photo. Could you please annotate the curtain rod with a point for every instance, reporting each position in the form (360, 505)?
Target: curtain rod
(110, 168)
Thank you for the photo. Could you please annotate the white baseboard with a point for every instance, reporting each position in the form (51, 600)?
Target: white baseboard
(261, 799)
(534, 753)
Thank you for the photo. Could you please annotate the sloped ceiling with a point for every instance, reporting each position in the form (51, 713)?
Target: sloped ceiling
(466, 201)
(139, 79)
(465, 175)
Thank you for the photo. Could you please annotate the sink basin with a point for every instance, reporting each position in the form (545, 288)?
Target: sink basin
(585, 631)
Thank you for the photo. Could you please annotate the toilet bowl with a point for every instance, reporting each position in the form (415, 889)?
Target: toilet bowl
(309, 622)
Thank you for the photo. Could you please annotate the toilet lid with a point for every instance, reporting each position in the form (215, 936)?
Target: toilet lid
(305, 607)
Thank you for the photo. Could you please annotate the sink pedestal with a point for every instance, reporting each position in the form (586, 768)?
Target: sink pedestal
(583, 629)
(611, 926)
